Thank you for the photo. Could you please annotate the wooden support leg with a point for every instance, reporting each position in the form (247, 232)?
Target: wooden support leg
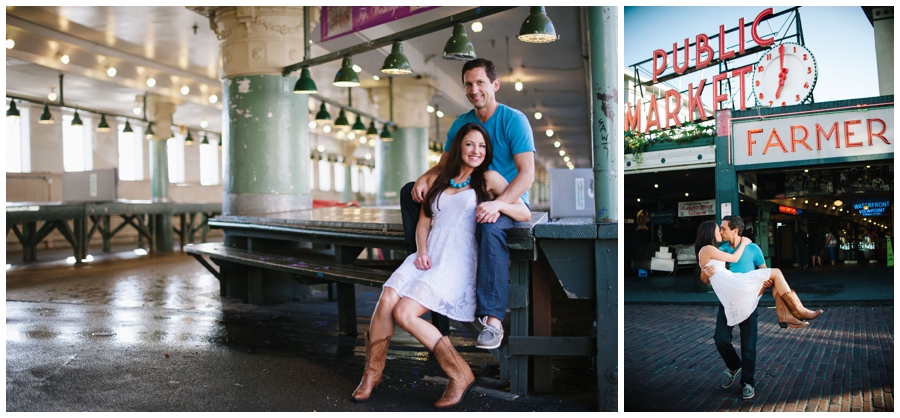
(540, 295)
(518, 325)
(254, 285)
(347, 308)
(29, 245)
(104, 233)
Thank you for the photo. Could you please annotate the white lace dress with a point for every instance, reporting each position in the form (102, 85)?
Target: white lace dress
(738, 292)
(448, 287)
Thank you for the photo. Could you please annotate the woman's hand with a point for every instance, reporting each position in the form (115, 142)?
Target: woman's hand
(423, 262)
(745, 240)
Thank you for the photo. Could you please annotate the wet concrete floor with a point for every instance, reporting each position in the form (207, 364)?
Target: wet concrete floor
(151, 333)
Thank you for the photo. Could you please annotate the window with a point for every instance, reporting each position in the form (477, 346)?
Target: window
(77, 144)
(209, 164)
(339, 177)
(18, 143)
(324, 175)
(175, 151)
(131, 153)
(354, 178)
(369, 180)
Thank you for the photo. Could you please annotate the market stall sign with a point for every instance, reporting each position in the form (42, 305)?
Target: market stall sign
(872, 207)
(788, 210)
(822, 136)
(662, 217)
(698, 208)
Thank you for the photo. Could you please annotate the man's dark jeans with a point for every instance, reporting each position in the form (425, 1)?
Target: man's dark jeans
(747, 360)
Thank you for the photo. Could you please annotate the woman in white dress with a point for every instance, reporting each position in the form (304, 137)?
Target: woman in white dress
(740, 292)
(440, 276)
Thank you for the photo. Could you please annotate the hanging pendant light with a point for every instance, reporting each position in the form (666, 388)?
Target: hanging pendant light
(396, 62)
(358, 126)
(372, 132)
(323, 116)
(76, 120)
(46, 117)
(346, 77)
(342, 122)
(204, 141)
(386, 134)
(188, 140)
(459, 47)
(13, 111)
(148, 134)
(127, 129)
(305, 85)
(103, 126)
(537, 27)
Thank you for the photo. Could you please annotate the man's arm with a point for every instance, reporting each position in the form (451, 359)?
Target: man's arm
(523, 180)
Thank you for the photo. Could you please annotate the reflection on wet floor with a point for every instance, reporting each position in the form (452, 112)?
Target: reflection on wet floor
(72, 320)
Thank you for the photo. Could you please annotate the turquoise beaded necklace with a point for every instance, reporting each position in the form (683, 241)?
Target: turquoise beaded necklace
(456, 185)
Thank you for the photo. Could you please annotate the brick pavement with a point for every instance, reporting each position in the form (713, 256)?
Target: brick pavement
(844, 361)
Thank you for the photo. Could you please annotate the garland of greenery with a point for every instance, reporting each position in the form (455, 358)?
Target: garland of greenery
(637, 142)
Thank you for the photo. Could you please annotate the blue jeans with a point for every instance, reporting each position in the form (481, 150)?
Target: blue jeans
(492, 274)
(747, 360)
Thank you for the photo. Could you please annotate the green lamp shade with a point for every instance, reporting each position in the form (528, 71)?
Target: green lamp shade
(341, 121)
(323, 116)
(148, 134)
(459, 47)
(76, 120)
(188, 140)
(13, 111)
(372, 131)
(46, 117)
(305, 85)
(103, 126)
(386, 134)
(537, 27)
(358, 126)
(127, 129)
(396, 62)
(346, 77)
(204, 141)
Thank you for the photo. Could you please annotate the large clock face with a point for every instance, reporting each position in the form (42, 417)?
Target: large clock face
(785, 75)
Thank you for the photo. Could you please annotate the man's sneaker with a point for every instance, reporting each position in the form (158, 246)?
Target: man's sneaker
(729, 377)
(490, 336)
(748, 391)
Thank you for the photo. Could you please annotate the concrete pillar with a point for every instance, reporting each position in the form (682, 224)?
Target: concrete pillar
(603, 43)
(883, 23)
(265, 131)
(159, 111)
(347, 149)
(405, 158)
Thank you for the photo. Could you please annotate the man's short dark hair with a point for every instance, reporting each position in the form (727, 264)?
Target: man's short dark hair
(488, 66)
(735, 222)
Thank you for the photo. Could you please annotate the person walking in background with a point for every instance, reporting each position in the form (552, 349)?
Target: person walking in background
(830, 244)
(815, 247)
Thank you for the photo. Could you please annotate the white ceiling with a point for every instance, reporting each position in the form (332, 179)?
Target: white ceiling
(176, 46)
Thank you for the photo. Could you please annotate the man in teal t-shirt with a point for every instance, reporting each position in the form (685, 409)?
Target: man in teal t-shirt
(513, 157)
(751, 259)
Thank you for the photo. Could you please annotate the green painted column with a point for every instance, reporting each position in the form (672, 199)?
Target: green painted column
(404, 158)
(347, 149)
(603, 47)
(762, 232)
(266, 145)
(265, 133)
(160, 110)
(726, 179)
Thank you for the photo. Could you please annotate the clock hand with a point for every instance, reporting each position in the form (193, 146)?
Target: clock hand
(781, 77)
(781, 56)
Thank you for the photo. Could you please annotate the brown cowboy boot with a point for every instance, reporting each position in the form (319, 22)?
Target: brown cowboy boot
(459, 373)
(785, 319)
(793, 303)
(376, 355)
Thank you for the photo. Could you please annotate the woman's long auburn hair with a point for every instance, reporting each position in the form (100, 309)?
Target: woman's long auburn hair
(453, 166)
(706, 235)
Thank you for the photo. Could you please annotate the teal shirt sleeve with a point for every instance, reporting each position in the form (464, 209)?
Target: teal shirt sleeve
(519, 132)
(758, 258)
